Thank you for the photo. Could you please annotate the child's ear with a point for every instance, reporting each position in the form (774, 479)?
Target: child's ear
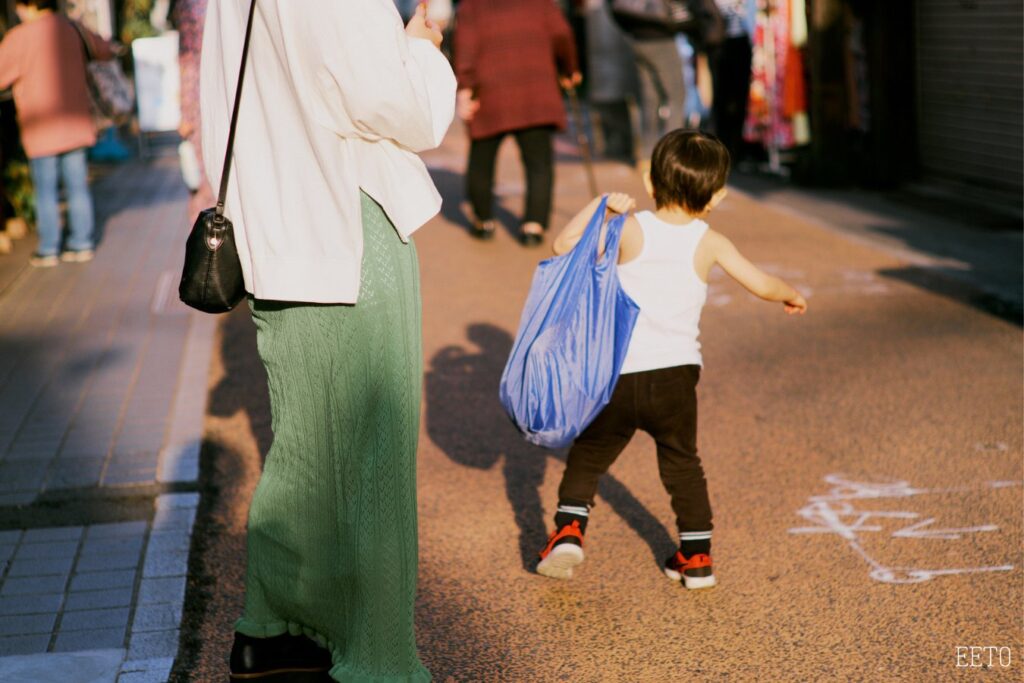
(648, 185)
(717, 198)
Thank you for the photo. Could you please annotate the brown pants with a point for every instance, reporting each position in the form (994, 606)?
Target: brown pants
(662, 403)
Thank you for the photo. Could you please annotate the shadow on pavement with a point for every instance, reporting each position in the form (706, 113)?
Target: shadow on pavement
(939, 283)
(53, 450)
(467, 422)
(976, 248)
(244, 385)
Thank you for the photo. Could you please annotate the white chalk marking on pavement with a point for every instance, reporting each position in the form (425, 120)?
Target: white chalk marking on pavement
(833, 513)
(917, 530)
(872, 242)
(852, 282)
(992, 447)
(862, 282)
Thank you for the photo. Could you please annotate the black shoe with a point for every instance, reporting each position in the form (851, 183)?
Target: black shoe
(281, 659)
(531, 234)
(695, 571)
(529, 239)
(483, 230)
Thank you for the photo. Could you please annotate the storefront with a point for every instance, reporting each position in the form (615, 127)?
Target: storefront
(970, 92)
(928, 92)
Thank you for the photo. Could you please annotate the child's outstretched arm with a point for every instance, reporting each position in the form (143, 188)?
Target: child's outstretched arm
(755, 280)
(571, 234)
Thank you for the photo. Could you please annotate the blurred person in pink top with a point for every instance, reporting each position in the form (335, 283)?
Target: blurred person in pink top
(189, 17)
(43, 60)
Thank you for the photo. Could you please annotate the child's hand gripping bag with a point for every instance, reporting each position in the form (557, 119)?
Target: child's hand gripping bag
(572, 340)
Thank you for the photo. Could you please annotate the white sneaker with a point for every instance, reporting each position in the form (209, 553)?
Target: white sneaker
(563, 553)
(44, 261)
(79, 256)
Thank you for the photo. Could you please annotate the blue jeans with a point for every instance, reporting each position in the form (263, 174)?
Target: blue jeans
(46, 173)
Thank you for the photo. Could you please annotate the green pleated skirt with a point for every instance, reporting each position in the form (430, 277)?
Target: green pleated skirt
(332, 528)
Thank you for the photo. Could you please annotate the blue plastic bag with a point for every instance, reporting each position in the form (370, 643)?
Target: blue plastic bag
(572, 340)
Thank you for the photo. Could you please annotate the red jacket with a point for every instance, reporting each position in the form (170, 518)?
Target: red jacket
(510, 53)
(43, 60)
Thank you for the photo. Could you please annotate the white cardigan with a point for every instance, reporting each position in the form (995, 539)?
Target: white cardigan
(336, 98)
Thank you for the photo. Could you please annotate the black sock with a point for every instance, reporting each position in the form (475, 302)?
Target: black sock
(694, 542)
(570, 511)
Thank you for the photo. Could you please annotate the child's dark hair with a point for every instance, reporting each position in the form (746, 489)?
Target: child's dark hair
(39, 4)
(687, 168)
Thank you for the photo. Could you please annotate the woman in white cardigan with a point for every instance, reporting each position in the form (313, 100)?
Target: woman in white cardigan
(325, 191)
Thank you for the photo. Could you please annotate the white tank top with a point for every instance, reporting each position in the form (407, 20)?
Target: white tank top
(664, 284)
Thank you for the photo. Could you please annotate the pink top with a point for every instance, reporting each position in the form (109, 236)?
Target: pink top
(44, 61)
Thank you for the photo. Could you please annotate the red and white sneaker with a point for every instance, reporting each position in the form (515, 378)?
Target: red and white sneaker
(694, 571)
(563, 553)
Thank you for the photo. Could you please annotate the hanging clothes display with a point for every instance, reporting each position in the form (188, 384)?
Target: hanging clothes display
(794, 88)
(777, 111)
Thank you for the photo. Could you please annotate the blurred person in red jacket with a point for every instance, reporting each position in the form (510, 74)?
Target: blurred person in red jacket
(43, 59)
(510, 58)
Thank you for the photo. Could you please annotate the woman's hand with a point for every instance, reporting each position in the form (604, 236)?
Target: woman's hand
(421, 27)
(466, 105)
(620, 202)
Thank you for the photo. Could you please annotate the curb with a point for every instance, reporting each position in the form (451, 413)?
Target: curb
(153, 643)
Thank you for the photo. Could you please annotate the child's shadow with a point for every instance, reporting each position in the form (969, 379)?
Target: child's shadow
(467, 422)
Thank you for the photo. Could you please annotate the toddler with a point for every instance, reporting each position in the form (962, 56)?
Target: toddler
(664, 260)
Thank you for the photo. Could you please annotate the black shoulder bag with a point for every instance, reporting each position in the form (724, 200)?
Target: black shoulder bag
(211, 280)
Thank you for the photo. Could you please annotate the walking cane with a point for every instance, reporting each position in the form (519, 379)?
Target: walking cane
(581, 139)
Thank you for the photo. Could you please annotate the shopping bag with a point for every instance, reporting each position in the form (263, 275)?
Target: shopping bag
(111, 97)
(110, 93)
(572, 339)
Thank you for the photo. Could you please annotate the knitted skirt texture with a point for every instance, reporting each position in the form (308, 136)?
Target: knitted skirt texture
(332, 528)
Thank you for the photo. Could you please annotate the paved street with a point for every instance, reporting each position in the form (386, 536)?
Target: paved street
(864, 463)
(864, 460)
(102, 377)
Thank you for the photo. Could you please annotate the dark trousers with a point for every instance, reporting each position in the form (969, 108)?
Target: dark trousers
(662, 90)
(662, 403)
(616, 129)
(535, 149)
(730, 66)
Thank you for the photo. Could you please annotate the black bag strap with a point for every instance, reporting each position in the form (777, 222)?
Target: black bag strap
(89, 57)
(234, 117)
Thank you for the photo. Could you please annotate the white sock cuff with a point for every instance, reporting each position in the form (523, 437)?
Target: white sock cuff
(578, 510)
(695, 536)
